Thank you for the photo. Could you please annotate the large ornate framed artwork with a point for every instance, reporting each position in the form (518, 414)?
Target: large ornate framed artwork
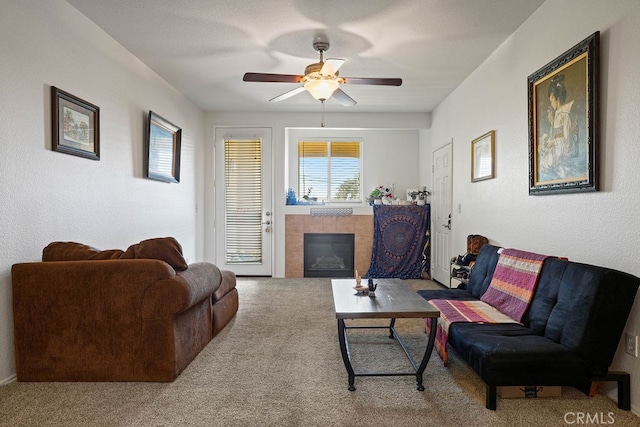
(563, 121)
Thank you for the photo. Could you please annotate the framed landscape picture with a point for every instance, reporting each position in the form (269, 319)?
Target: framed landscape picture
(563, 121)
(162, 146)
(75, 125)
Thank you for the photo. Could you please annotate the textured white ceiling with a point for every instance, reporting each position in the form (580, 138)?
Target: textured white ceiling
(203, 47)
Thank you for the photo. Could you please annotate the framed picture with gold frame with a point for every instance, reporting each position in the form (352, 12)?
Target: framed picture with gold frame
(563, 121)
(483, 157)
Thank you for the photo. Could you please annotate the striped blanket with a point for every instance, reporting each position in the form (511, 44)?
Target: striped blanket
(514, 282)
(461, 311)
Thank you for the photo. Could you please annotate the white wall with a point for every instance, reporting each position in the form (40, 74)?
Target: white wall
(375, 128)
(599, 228)
(47, 196)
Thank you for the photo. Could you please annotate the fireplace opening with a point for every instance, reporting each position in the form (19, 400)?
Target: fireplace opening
(328, 255)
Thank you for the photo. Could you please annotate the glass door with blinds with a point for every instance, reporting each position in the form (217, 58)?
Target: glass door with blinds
(244, 218)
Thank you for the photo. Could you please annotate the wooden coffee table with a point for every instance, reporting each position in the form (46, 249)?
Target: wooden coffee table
(394, 299)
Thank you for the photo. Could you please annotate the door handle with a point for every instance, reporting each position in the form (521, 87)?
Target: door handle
(448, 224)
(267, 222)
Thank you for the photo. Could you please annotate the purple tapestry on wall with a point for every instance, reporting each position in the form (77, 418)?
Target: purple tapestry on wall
(400, 242)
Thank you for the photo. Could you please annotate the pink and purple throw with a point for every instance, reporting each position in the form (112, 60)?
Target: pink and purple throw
(514, 282)
(452, 311)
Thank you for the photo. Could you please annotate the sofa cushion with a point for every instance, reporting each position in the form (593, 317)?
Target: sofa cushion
(591, 309)
(511, 354)
(166, 249)
(483, 269)
(72, 251)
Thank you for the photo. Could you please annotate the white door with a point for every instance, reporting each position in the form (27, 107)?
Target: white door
(244, 216)
(441, 215)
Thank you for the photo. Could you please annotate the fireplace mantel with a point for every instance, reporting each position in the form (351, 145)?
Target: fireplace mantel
(358, 208)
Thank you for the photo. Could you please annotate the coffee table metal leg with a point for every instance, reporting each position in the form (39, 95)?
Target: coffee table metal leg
(344, 349)
(391, 325)
(427, 355)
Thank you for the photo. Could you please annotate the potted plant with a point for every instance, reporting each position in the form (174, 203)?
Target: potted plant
(421, 196)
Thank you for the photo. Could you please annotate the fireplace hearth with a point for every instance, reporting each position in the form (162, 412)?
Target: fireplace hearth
(328, 255)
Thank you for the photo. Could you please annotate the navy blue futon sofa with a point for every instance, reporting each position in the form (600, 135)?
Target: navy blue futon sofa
(568, 336)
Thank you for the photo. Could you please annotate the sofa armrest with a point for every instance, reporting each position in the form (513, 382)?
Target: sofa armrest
(182, 291)
(227, 284)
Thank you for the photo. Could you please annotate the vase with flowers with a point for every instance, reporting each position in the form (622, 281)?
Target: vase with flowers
(420, 196)
(380, 195)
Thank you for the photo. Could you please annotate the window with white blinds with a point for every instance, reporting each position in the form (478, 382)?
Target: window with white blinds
(243, 200)
(329, 170)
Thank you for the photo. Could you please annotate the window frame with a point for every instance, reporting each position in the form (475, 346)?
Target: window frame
(329, 141)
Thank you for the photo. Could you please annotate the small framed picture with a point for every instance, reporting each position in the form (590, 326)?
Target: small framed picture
(162, 148)
(75, 125)
(482, 157)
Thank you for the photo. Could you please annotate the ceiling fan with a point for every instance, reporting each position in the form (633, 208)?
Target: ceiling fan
(320, 79)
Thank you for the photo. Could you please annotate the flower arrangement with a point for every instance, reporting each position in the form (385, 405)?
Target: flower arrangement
(380, 192)
(420, 194)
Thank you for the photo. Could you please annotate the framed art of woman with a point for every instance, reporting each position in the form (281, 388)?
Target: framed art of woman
(563, 122)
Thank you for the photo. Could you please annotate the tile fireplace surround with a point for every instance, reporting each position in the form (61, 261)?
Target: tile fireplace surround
(361, 226)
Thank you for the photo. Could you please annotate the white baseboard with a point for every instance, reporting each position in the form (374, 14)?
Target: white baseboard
(8, 380)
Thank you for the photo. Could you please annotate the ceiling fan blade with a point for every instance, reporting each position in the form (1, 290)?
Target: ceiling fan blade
(288, 94)
(271, 78)
(343, 98)
(331, 66)
(371, 81)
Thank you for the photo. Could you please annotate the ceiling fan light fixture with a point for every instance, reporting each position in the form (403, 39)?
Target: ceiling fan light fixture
(321, 89)
(320, 79)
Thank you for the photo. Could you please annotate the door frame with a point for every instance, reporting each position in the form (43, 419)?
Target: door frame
(265, 133)
(436, 223)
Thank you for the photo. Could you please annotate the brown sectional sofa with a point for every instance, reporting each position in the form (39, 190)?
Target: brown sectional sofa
(107, 316)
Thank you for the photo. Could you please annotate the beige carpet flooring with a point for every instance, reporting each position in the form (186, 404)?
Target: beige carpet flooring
(278, 363)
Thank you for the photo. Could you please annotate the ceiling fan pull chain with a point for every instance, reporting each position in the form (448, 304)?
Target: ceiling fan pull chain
(322, 116)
